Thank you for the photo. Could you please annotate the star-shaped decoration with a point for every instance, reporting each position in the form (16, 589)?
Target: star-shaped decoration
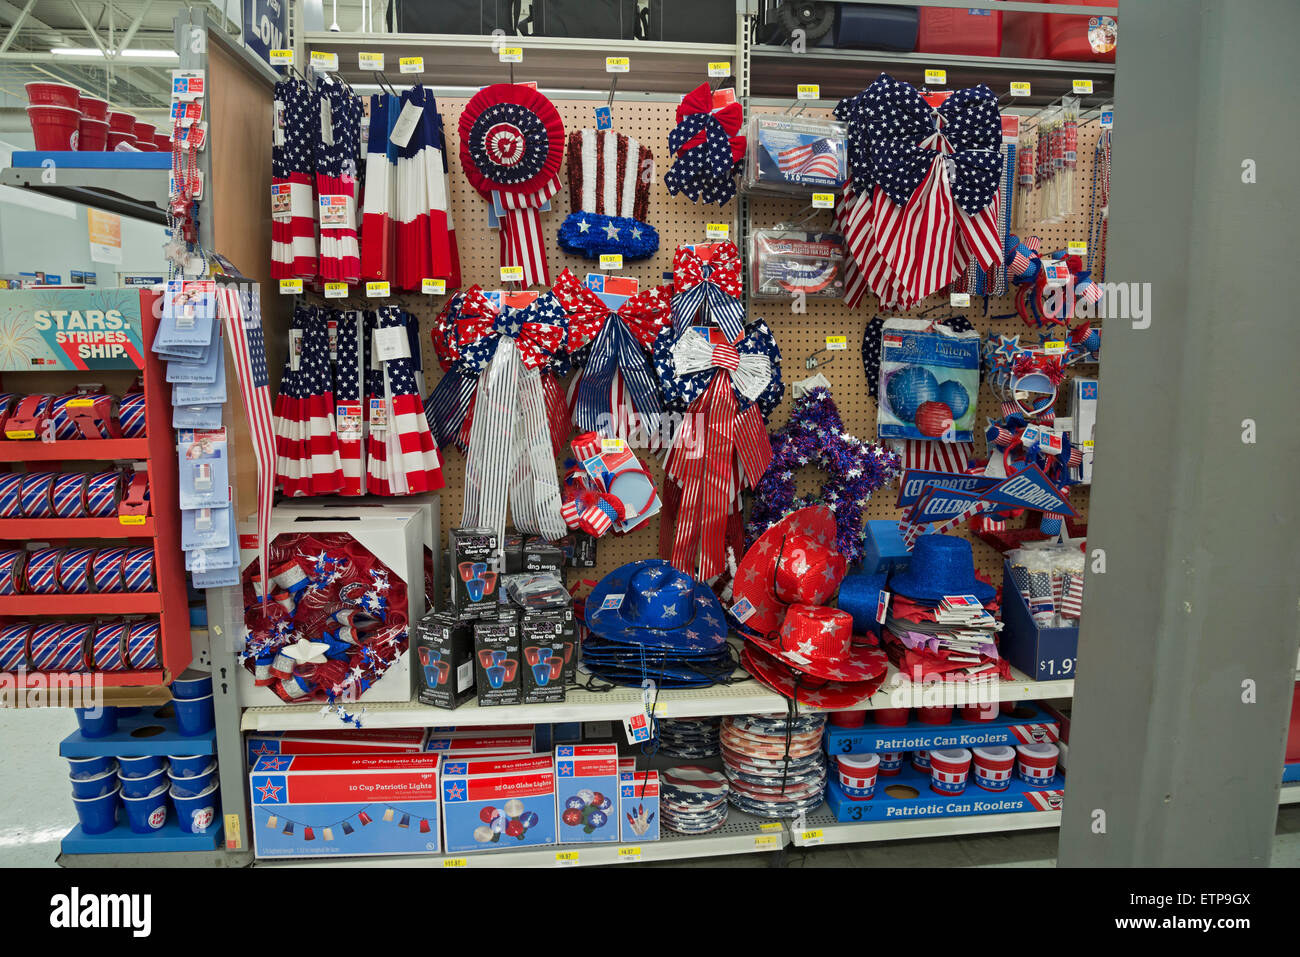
(306, 652)
(270, 792)
(611, 231)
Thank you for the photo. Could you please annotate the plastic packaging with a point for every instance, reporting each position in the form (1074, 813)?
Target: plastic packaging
(795, 155)
(787, 262)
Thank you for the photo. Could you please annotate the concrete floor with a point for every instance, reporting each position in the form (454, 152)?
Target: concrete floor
(36, 811)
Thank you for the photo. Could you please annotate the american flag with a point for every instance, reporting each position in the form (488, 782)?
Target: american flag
(934, 456)
(814, 159)
(240, 307)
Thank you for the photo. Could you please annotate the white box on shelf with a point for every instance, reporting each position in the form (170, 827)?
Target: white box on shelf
(392, 532)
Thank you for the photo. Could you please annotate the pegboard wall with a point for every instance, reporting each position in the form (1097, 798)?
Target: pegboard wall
(798, 334)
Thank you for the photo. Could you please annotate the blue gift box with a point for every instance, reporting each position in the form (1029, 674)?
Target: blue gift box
(495, 803)
(586, 792)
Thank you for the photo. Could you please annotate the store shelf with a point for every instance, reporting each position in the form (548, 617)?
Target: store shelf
(74, 450)
(820, 827)
(138, 603)
(139, 193)
(742, 834)
(63, 680)
(565, 63)
(1290, 794)
(744, 697)
(776, 71)
(34, 529)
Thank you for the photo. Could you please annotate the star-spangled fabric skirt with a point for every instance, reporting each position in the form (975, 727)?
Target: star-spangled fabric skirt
(288, 416)
(425, 234)
(348, 410)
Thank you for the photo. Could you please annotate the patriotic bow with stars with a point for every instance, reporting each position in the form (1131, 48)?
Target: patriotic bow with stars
(466, 337)
(618, 351)
(707, 148)
(708, 276)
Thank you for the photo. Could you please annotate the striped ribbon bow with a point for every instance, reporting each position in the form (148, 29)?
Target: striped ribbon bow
(617, 353)
(713, 280)
(722, 443)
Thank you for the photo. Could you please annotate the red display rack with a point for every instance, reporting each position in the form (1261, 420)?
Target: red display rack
(163, 529)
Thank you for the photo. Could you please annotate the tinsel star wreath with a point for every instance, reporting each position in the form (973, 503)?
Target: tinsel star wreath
(855, 468)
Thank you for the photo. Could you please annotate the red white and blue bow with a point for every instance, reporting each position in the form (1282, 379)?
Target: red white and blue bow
(707, 148)
(709, 277)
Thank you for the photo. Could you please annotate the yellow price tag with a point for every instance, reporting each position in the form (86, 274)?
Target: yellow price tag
(511, 55)
(410, 64)
(720, 68)
(611, 445)
(512, 273)
(1054, 347)
(1078, 249)
(815, 836)
(455, 862)
(288, 286)
(324, 61)
(80, 403)
(370, 61)
(836, 343)
(611, 260)
(377, 290)
(617, 64)
(1021, 88)
(767, 840)
(1081, 86)
(20, 434)
(336, 290)
(823, 201)
(232, 832)
(959, 299)
(1088, 444)
(936, 77)
(282, 58)
(717, 230)
(433, 287)
(808, 91)
(566, 857)
(629, 853)
(130, 520)
(771, 826)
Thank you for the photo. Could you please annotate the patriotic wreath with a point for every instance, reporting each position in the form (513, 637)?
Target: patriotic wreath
(815, 436)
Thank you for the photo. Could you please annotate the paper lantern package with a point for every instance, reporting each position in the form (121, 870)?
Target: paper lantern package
(345, 805)
(586, 792)
(494, 803)
(262, 744)
(444, 651)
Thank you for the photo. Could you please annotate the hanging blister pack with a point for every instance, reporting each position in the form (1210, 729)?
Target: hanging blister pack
(196, 416)
(206, 527)
(203, 370)
(795, 155)
(789, 262)
(189, 314)
(203, 393)
(204, 472)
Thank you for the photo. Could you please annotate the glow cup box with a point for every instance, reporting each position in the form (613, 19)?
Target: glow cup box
(475, 571)
(497, 660)
(493, 803)
(341, 741)
(586, 792)
(324, 805)
(541, 636)
(908, 795)
(444, 650)
(638, 805)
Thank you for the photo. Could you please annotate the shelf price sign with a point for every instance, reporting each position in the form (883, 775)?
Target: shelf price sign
(617, 64)
(1081, 86)
(290, 287)
(836, 343)
(374, 62)
(936, 77)
(455, 862)
(281, 58)
(629, 854)
(611, 260)
(1021, 88)
(511, 54)
(433, 287)
(823, 200)
(813, 837)
(1077, 248)
(336, 290)
(566, 858)
(410, 64)
(377, 290)
(324, 61)
(717, 230)
(763, 841)
(720, 68)
(808, 91)
(959, 299)
(512, 273)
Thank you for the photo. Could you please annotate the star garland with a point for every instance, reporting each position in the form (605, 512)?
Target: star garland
(815, 435)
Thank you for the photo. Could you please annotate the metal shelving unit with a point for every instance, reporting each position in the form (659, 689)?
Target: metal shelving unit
(140, 193)
(820, 827)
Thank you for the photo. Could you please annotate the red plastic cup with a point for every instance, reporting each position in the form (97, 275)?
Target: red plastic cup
(993, 766)
(116, 137)
(949, 768)
(1036, 763)
(92, 135)
(54, 127)
(979, 712)
(144, 131)
(53, 94)
(94, 108)
(892, 717)
(163, 142)
(119, 122)
(940, 715)
(145, 146)
(849, 719)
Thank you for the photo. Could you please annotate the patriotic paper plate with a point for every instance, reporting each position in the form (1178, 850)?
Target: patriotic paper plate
(775, 724)
(774, 809)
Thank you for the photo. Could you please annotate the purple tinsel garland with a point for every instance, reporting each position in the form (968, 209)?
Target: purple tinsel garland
(815, 436)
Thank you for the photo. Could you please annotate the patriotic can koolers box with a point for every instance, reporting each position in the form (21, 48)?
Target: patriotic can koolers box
(346, 805)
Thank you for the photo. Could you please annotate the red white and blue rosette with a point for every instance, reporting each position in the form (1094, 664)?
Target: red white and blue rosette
(106, 570)
(107, 648)
(142, 644)
(138, 570)
(42, 573)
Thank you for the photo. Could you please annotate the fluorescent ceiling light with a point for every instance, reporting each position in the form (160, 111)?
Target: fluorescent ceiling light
(95, 51)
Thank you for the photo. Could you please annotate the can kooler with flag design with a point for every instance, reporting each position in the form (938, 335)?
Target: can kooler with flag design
(137, 569)
(42, 571)
(11, 501)
(949, 769)
(1036, 763)
(101, 494)
(69, 495)
(13, 646)
(45, 645)
(131, 413)
(993, 767)
(36, 494)
(107, 651)
(11, 566)
(106, 570)
(142, 644)
(891, 763)
(70, 654)
(74, 570)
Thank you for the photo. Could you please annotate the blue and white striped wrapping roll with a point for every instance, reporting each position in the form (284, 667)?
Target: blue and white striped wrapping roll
(137, 569)
(11, 497)
(74, 640)
(142, 644)
(37, 501)
(103, 490)
(108, 646)
(42, 573)
(44, 645)
(65, 427)
(131, 415)
(69, 495)
(13, 646)
(106, 570)
(11, 567)
(74, 570)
